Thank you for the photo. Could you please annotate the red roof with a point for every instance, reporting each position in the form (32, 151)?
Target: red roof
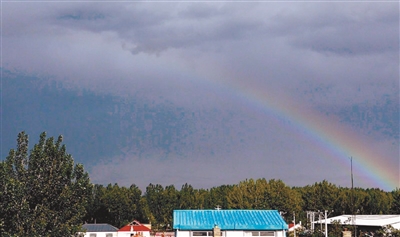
(136, 226)
(291, 225)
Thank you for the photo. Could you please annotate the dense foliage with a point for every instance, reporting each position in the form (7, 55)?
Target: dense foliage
(44, 194)
(157, 203)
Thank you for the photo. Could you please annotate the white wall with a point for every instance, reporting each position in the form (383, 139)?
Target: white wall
(183, 233)
(232, 233)
(101, 234)
(129, 233)
(280, 233)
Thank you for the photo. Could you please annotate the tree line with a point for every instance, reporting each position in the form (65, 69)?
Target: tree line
(119, 205)
(43, 193)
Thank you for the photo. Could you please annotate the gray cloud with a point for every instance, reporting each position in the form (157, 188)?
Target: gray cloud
(349, 30)
(326, 56)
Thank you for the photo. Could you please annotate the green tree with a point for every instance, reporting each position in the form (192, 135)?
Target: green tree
(335, 229)
(43, 193)
(387, 231)
(187, 197)
(378, 202)
(343, 204)
(320, 196)
(136, 210)
(395, 205)
(283, 198)
(170, 204)
(116, 200)
(154, 203)
(115, 205)
(218, 197)
(248, 194)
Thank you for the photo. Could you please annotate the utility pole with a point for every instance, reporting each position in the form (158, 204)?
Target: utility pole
(312, 218)
(294, 222)
(320, 220)
(326, 224)
(353, 219)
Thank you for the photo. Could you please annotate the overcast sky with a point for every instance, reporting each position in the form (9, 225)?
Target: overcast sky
(283, 90)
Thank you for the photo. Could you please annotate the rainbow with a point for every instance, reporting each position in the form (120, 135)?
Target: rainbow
(326, 134)
(335, 139)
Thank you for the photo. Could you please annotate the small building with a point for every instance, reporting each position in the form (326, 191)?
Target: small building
(165, 234)
(297, 227)
(228, 223)
(365, 222)
(99, 230)
(135, 228)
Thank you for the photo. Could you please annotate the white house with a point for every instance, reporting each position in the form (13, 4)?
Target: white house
(99, 230)
(228, 223)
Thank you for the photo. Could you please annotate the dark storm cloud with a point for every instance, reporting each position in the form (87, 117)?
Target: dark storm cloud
(340, 59)
(153, 28)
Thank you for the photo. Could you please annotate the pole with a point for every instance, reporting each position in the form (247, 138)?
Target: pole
(320, 221)
(326, 224)
(352, 198)
(294, 222)
(312, 221)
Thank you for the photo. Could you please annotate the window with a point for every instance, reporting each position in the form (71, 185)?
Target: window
(205, 233)
(267, 233)
(109, 235)
(202, 233)
(258, 233)
(92, 235)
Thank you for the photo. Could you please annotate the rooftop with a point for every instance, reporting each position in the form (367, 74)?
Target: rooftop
(366, 220)
(99, 228)
(228, 220)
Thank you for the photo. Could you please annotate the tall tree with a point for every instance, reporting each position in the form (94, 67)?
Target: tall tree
(170, 195)
(188, 197)
(154, 203)
(248, 194)
(376, 202)
(320, 196)
(395, 205)
(43, 193)
(218, 197)
(96, 211)
(136, 210)
(283, 198)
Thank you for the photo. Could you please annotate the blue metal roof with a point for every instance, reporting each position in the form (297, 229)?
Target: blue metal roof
(99, 228)
(228, 220)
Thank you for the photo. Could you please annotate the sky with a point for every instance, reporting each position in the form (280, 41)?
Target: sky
(208, 92)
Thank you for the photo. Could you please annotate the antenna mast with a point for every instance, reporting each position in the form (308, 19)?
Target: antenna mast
(353, 218)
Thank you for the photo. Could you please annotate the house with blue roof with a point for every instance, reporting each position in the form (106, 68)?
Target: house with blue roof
(228, 223)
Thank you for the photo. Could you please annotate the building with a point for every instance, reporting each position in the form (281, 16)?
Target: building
(228, 223)
(365, 222)
(99, 230)
(297, 227)
(165, 234)
(135, 228)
